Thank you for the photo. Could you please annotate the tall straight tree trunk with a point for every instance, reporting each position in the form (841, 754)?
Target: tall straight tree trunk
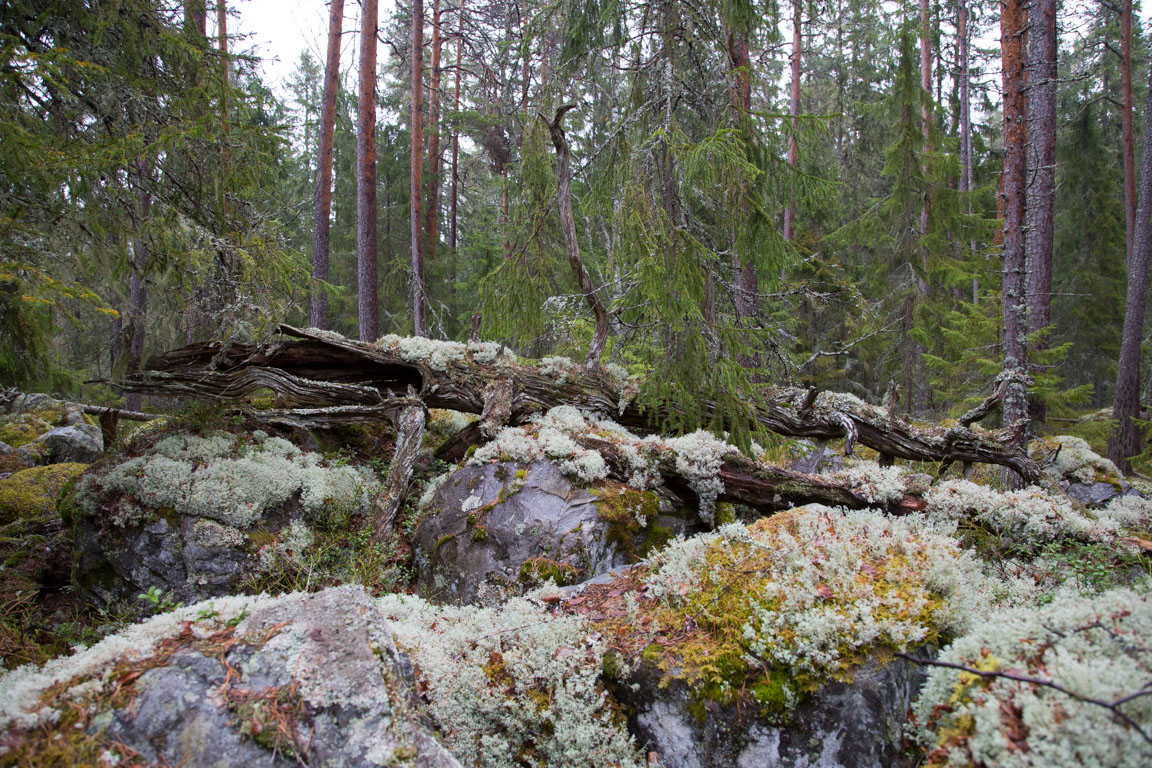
(416, 187)
(432, 213)
(794, 110)
(1129, 130)
(366, 177)
(926, 108)
(321, 220)
(1042, 170)
(965, 99)
(196, 17)
(138, 290)
(1015, 181)
(747, 284)
(1125, 442)
(568, 224)
(452, 237)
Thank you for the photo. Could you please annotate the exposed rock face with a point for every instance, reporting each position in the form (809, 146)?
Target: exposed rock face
(1093, 494)
(300, 680)
(491, 527)
(81, 443)
(844, 725)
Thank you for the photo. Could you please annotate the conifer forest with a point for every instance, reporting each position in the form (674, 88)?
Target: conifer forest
(619, 383)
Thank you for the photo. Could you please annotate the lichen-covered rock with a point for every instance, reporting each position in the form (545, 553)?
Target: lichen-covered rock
(772, 644)
(193, 517)
(1093, 494)
(495, 528)
(1071, 460)
(1084, 647)
(513, 685)
(302, 679)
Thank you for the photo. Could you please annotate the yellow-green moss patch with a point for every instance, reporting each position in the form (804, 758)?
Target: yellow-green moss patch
(32, 493)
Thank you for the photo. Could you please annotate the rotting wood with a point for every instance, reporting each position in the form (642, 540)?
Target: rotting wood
(324, 369)
(409, 422)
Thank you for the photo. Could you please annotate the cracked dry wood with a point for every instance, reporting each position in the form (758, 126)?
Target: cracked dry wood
(323, 369)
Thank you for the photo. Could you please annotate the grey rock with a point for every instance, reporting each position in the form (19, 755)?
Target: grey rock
(843, 725)
(1093, 494)
(484, 524)
(325, 659)
(82, 443)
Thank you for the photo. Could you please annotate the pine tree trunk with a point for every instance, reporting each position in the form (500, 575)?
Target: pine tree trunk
(568, 224)
(416, 187)
(1128, 129)
(138, 290)
(366, 177)
(432, 212)
(321, 220)
(962, 36)
(196, 18)
(1042, 171)
(1015, 181)
(452, 236)
(1125, 442)
(794, 110)
(926, 109)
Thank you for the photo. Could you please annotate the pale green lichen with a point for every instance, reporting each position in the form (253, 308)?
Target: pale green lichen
(1090, 646)
(220, 478)
(512, 685)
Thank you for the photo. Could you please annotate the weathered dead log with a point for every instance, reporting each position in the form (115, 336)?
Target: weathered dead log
(318, 368)
(409, 423)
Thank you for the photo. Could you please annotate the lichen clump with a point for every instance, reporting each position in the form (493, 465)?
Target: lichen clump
(440, 355)
(1030, 517)
(1091, 647)
(780, 607)
(220, 477)
(512, 686)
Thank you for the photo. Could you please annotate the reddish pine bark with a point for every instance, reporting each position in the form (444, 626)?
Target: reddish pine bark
(1012, 20)
(416, 187)
(368, 301)
(1129, 130)
(1042, 170)
(1125, 442)
(456, 137)
(926, 108)
(196, 17)
(321, 220)
(432, 212)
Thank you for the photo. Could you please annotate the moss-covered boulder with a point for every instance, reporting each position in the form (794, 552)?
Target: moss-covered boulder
(297, 680)
(774, 644)
(498, 528)
(190, 517)
(31, 493)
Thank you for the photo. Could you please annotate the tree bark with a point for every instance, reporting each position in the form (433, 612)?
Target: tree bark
(746, 283)
(794, 111)
(138, 290)
(1042, 171)
(926, 108)
(366, 250)
(1128, 129)
(452, 237)
(416, 187)
(1015, 182)
(1125, 442)
(196, 18)
(568, 224)
(962, 38)
(432, 211)
(321, 220)
(324, 370)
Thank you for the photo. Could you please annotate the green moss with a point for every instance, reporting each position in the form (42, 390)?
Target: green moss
(725, 513)
(444, 540)
(542, 569)
(31, 493)
(623, 508)
(26, 427)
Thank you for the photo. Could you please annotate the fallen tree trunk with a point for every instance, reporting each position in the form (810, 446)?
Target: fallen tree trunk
(325, 370)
